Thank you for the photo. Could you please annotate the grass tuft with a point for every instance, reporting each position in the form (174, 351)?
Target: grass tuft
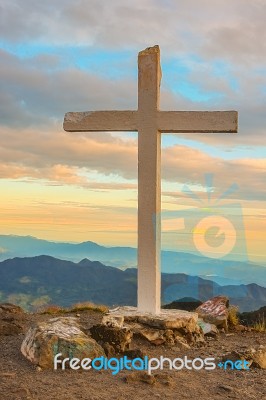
(78, 307)
(88, 306)
(53, 309)
(260, 324)
(233, 318)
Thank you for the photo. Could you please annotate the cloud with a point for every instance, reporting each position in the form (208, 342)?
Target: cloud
(188, 165)
(38, 89)
(215, 29)
(220, 45)
(31, 96)
(68, 158)
(64, 158)
(34, 96)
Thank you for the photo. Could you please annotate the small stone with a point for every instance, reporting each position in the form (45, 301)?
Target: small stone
(158, 342)
(114, 321)
(154, 336)
(134, 353)
(181, 343)
(240, 328)
(164, 379)
(140, 376)
(226, 388)
(207, 328)
(108, 349)
(7, 374)
(20, 393)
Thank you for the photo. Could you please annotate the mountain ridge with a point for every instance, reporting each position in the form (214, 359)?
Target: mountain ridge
(36, 281)
(220, 271)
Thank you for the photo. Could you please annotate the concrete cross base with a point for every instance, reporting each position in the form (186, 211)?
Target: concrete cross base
(173, 327)
(166, 319)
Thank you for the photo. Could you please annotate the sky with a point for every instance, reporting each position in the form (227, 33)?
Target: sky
(64, 55)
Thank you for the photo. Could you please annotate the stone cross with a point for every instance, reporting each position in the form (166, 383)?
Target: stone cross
(150, 122)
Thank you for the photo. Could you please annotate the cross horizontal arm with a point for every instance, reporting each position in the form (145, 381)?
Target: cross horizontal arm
(197, 121)
(100, 121)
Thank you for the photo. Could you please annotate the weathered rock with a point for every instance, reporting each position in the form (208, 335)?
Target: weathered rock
(9, 326)
(215, 311)
(241, 328)
(10, 308)
(58, 335)
(181, 319)
(256, 356)
(159, 336)
(11, 319)
(118, 338)
(259, 357)
(207, 328)
(164, 379)
(226, 388)
(114, 321)
(181, 343)
(20, 393)
(155, 336)
(7, 374)
(109, 350)
(143, 376)
(134, 353)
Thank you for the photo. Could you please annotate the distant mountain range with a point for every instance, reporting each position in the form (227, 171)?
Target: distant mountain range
(35, 281)
(221, 271)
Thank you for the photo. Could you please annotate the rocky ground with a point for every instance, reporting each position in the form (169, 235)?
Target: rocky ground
(19, 379)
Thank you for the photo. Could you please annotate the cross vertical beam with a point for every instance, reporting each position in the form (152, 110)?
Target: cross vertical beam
(149, 182)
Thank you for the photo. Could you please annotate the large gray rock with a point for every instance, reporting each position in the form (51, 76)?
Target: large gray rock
(58, 335)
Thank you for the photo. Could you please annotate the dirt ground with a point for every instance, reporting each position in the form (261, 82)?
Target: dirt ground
(19, 379)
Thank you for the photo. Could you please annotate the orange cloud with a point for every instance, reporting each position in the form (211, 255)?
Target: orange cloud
(58, 157)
